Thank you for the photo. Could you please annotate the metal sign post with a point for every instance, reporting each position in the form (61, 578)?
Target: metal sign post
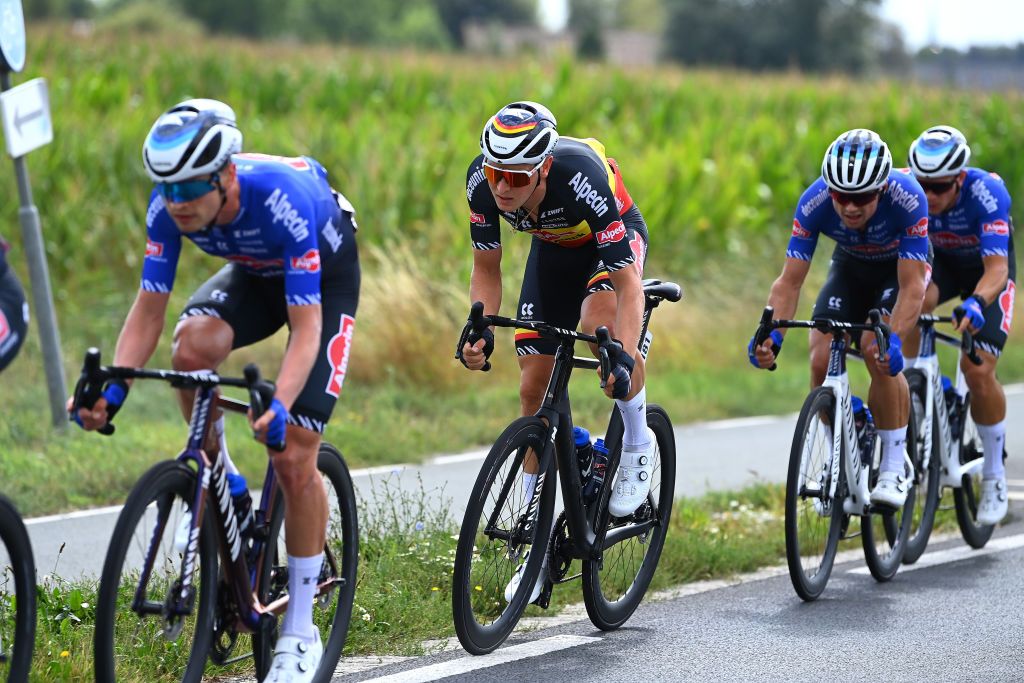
(25, 112)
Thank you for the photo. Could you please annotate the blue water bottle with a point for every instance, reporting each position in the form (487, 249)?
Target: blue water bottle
(584, 452)
(598, 467)
(865, 425)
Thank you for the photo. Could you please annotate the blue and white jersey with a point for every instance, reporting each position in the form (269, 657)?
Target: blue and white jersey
(285, 227)
(979, 224)
(899, 228)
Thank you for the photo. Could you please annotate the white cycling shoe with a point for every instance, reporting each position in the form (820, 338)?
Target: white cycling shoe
(295, 660)
(517, 578)
(633, 482)
(891, 490)
(994, 501)
(181, 533)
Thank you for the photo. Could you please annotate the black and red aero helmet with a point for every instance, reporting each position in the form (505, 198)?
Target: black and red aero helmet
(522, 132)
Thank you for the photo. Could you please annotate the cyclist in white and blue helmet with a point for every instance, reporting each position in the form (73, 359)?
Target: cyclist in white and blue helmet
(289, 240)
(878, 219)
(971, 231)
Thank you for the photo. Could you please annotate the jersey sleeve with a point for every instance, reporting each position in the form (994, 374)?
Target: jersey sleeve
(484, 220)
(914, 238)
(163, 246)
(803, 240)
(589, 188)
(301, 252)
(993, 223)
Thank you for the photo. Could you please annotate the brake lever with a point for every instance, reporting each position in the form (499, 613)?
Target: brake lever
(476, 323)
(603, 340)
(967, 345)
(89, 388)
(261, 395)
(882, 332)
(764, 330)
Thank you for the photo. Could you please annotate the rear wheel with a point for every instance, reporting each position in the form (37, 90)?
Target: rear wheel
(926, 478)
(18, 600)
(614, 586)
(968, 495)
(501, 530)
(813, 517)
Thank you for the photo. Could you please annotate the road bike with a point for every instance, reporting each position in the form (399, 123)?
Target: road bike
(619, 555)
(182, 607)
(18, 597)
(948, 450)
(831, 476)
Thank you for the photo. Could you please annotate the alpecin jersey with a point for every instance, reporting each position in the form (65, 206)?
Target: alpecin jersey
(979, 223)
(899, 228)
(285, 227)
(584, 202)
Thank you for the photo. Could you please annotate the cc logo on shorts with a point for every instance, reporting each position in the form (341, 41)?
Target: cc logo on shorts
(835, 302)
(527, 311)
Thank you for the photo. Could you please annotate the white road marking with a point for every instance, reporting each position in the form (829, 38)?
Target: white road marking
(465, 665)
(963, 552)
(461, 457)
(741, 422)
(1015, 495)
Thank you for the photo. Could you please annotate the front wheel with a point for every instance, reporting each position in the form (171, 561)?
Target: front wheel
(614, 585)
(967, 497)
(926, 479)
(17, 632)
(130, 637)
(814, 518)
(504, 527)
(332, 606)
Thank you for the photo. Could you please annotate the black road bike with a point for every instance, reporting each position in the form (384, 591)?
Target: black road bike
(619, 555)
(179, 605)
(18, 595)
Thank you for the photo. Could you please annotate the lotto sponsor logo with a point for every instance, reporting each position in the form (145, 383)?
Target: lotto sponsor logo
(799, 230)
(613, 233)
(283, 212)
(996, 228)
(154, 249)
(338, 350)
(1005, 305)
(310, 261)
(919, 229)
(477, 218)
(587, 194)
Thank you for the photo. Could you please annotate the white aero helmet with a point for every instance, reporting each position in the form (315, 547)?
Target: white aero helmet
(520, 133)
(190, 139)
(857, 161)
(938, 152)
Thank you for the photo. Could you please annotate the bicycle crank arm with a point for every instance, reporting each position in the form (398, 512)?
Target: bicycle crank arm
(279, 606)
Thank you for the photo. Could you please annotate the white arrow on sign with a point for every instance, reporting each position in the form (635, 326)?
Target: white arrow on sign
(25, 110)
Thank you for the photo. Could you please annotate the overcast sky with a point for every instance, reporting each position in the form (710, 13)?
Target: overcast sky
(956, 23)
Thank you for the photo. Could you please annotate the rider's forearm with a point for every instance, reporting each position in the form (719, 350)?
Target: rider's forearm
(299, 358)
(139, 335)
(784, 298)
(629, 315)
(906, 310)
(993, 280)
(485, 286)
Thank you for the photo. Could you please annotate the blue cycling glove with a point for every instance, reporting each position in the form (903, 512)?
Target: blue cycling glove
(115, 393)
(277, 426)
(971, 309)
(776, 338)
(895, 355)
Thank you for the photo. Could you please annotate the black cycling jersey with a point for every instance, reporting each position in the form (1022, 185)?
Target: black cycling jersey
(13, 311)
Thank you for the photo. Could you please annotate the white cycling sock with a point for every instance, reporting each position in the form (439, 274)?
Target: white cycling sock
(993, 436)
(529, 486)
(229, 466)
(634, 421)
(303, 573)
(894, 447)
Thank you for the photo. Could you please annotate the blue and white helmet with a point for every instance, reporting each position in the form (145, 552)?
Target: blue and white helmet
(857, 161)
(522, 132)
(938, 152)
(193, 138)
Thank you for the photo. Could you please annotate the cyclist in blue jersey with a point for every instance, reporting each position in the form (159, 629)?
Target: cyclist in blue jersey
(972, 233)
(13, 310)
(289, 239)
(879, 221)
(585, 266)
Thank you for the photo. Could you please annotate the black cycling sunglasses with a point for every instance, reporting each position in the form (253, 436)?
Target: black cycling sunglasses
(940, 187)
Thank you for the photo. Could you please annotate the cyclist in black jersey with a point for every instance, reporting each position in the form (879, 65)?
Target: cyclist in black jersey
(13, 310)
(585, 265)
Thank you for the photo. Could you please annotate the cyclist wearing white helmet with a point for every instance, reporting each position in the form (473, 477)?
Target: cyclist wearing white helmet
(289, 240)
(878, 218)
(585, 266)
(972, 232)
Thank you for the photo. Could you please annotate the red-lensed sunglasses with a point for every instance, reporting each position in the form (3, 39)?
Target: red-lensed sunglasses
(514, 178)
(941, 187)
(855, 198)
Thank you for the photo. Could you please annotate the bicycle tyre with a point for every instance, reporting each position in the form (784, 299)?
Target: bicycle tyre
(884, 533)
(966, 497)
(343, 529)
(474, 595)
(171, 482)
(926, 482)
(22, 565)
(628, 584)
(801, 512)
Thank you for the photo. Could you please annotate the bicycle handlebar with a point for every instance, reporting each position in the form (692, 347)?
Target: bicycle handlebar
(90, 383)
(967, 343)
(826, 326)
